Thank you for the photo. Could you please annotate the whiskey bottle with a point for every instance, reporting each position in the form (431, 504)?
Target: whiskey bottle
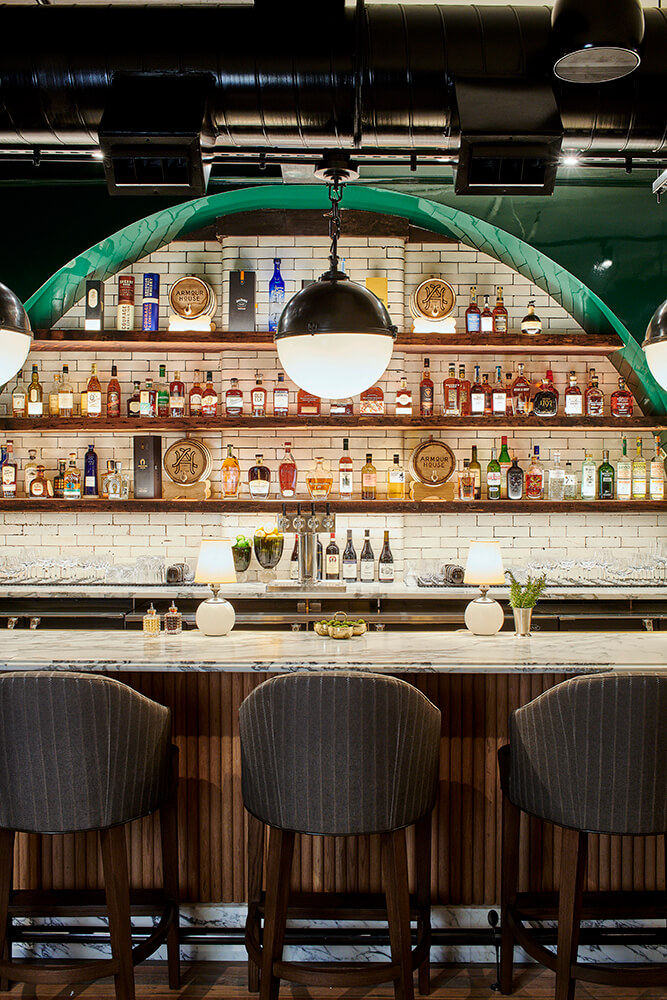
(545, 400)
(493, 477)
(505, 463)
(499, 395)
(426, 391)
(606, 478)
(486, 318)
(176, 396)
(476, 472)
(466, 482)
(93, 394)
(588, 484)
(29, 471)
(521, 394)
(531, 323)
(307, 405)
(259, 479)
(113, 394)
(515, 480)
(287, 473)
(258, 397)
(624, 474)
(367, 560)
(472, 313)
(477, 396)
(535, 477)
(276, 296)
(8, 473)
(656, 489)
(368, 479)
(319, 480)
(35, 394)
(349, 560)
(54, 397)
(162, 394)
(59, 480)
(639, 474)
(488, 396)
(404, 399)
(19, 397)
(209, 402)
(231, 474)
(499, 313)
(450, 388)
(345, 472)
(195, 396)
(371, 401)
(464, 392)
(594, 397)
(386, 562)
(134, 401)
(90, 473)
(281, 397)
(341, 407)
(66, 398)
(574, 403)
(396, 480)
(556, 482)
(332, 559)
(234, 400)
(72, 480)
(621, 403)
(39, 486)
(509, 405)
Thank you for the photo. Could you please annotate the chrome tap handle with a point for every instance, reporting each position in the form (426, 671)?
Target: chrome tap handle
(328, 521)
(34, 623)
(299, 522)
(313, 520)
(11, 622)
(283, 519)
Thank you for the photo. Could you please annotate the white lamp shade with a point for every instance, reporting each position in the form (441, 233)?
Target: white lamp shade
(656, 359)
(485, 564)
(216, 562)
(14, 349)
(335, 365)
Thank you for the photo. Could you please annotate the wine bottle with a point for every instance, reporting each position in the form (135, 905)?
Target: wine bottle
(333, 559)
(367, 560)
(386, 562)
(349, 560)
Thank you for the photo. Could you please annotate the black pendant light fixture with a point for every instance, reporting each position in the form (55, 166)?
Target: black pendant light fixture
(15, 334)
(596, 40)
(655, 345)
(334, 337)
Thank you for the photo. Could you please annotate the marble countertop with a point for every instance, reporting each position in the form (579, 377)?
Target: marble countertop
(404, 652)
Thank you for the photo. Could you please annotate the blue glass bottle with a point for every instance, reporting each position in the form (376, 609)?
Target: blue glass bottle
(90, 473)
(276, 296)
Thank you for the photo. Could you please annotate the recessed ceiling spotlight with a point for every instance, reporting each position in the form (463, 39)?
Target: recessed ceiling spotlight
(570, 160)
(603, 265)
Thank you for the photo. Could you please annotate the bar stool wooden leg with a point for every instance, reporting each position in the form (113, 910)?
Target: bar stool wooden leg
(278, 872)
(509, 885)
(6, 877)
(572, 867)
(117, 888)
(169, 841)
(423, 894)
(255, 871)
(395, 879)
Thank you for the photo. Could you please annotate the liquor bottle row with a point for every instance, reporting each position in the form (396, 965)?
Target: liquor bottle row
(331, 565)
(511, 395)
(69, 483)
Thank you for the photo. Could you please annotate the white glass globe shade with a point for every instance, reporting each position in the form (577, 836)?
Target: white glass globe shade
(14, 349)
(484, 616)
(656, 359)
(335, 365)
(215, 616)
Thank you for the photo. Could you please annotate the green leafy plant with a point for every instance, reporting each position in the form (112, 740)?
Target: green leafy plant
(525, 596)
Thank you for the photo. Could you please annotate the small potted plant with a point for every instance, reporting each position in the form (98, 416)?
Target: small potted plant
(523, 599)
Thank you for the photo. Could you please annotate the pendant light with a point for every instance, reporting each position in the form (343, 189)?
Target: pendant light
(596, 40)
(334, 337)
(655, 345)
(15, 334)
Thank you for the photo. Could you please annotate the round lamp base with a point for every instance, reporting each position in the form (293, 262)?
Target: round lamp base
(484, 616)
(215, 616)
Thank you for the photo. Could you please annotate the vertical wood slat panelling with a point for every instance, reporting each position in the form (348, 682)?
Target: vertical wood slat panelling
(466, 821)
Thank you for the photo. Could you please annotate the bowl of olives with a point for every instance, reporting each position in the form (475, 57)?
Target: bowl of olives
(340, 627)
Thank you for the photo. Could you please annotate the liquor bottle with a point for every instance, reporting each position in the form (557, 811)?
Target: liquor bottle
(29, 471)
(396, 480)
(386, 562)
(341, 407)
(134, 401)
(371, 400)
(332, 559)
(280, 397)
(162, 394)
(472, 313)
(426, 391)
(151, 623)
(404, 400)
(124, 482)
(231, 474)
(54, 397)
(105, 480)
(345, 472)
(368, 479)
(505, 462)
(148, 401)
(450, 388)
(570, 482)
(476, 470)
(125, 310)
(499, 313)
(319, 480)
(66, 398)
(258, 397)
(515, 479)
(276, 296)
(477, 396)
(486, 318)
(499, 395)
(466, 482)
(349, 560)
(195, 396)
(621, 403)
(545, 400)
(588, 484)
(656, 474)
(234, 400)
(59, 480)
(113, 394)
(605, 478)
(35, 405)
(535, 477)
(294, 560)
(39, 486)
(624, 474)
(173, 621)
(259, 479)
(556, 484)
(574, 402)
(8, 473)
(176, 397)
(639, 474)
(90, 473)
(72, 480)
(367, 560)
(521, 394)
(209, 400)
(287, 473)
(488, 396)
(307, 405)
(93, 394)
(19, 397)
(464, 392)
(594, 397)
(509, 405)
(531, 322)
(493, 477)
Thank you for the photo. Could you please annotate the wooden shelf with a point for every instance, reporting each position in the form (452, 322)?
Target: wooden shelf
(550, 344)
(28, 425)
(263, 507)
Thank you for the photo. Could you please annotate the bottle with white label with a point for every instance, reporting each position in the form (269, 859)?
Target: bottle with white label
(259, 479)
(624, 475)
(639, 474)
(386, 562)
(574, 401)
(35, 395)
(258, 397)
(94, 394)
(556, 487)
(367, 560)
(65, 395)
(570, 488)
(332, 559)
(345, 470)
(588, 478)
(656, 490)
(29, 471)
(404, 400)
(90, 473)
(349, 560)
(396, 480)
(19, 397)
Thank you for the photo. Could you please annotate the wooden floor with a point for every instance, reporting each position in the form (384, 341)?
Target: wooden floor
(228, 982)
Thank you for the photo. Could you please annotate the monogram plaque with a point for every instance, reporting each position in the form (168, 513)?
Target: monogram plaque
(433, 299)
(187, 461)
(432, 462)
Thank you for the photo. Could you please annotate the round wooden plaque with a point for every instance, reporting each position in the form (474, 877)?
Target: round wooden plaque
(433, 299)
(432, 462)
(187, 461)
(191, 297)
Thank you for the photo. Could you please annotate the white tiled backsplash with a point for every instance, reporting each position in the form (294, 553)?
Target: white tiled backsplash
(413, 537)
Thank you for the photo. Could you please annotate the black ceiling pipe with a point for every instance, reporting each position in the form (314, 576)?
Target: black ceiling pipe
(274, 86)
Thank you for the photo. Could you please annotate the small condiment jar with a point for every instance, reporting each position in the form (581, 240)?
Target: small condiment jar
(151, 622)
(173, 621)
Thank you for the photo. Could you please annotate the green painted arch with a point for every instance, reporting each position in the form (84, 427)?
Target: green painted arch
(49, 303)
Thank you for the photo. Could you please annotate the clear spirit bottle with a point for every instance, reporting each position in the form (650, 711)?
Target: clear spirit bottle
(104, 479)
(556, 486)
(574, 403)
(19, 397)
(66, 400)
(588, 484)
(639, 474)
(280, 397)
(570, 482)
(276, 296)
(124, 481)
(35, 395)
(624, 474)
(656, 476)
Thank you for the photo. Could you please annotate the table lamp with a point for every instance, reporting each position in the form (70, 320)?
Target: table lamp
(484, 616)
(215, 566)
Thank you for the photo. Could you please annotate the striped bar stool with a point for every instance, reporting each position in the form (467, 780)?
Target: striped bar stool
(80, 752)
(339, 754)
(589, 755)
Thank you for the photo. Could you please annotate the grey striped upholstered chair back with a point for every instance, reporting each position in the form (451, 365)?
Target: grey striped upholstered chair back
(78, 752)
(591, 754)
(339, 753)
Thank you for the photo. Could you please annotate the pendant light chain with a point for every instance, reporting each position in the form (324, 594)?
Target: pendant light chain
(335, 195)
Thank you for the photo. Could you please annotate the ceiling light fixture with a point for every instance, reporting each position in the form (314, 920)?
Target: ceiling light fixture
(570, 160)
(15, 334)
(655, 345)
(334, 337)
(596, 40)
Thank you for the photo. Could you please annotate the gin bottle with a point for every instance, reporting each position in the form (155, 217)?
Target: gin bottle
(588, 485)
(570, 482)
(276, 296)
(624, 475)
(556, 487)
(639, 474)
(657, 473)
(606, 478)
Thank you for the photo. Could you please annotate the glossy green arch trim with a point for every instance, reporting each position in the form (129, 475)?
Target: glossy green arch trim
(66, 286)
